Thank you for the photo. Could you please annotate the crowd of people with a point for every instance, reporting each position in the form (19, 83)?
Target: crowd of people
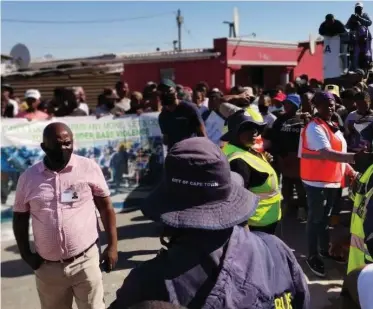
(220, 205)
(70, 102)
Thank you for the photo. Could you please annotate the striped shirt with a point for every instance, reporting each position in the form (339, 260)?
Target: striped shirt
(62, 229)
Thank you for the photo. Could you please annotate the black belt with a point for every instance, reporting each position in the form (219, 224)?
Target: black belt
(72, 259)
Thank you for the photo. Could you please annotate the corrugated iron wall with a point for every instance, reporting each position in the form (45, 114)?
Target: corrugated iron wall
(92, 84)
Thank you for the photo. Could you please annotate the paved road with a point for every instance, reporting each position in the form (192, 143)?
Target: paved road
(138, 242)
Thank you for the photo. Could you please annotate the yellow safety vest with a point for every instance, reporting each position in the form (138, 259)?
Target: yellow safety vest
(253, 113)
(359, 254)
(269, 208)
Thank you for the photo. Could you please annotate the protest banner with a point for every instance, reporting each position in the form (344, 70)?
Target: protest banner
(128, 149)
(214, 127)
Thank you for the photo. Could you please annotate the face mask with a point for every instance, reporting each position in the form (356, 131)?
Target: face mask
(303, 82)
(110, 103)
(58, 157)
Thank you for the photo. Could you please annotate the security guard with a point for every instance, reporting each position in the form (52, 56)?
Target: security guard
(258, 174)
(228, 109)
(359, 254)
(361, 246)
(360, 194)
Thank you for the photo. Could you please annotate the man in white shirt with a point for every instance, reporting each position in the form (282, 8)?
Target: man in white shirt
(6, 94)
(81, 98)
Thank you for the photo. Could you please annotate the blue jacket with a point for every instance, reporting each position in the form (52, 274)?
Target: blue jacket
(252, 270)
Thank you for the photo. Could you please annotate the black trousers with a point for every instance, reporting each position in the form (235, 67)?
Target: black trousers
(287, 190)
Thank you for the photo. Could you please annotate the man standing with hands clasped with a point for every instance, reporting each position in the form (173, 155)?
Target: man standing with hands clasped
(60, 193)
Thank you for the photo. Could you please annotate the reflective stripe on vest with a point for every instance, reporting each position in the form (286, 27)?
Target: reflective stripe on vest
(358, 243)
(314, 169)
(254, 114)
(359, 253)
(268, 210)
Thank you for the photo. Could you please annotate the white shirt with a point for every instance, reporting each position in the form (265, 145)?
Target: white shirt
(206, 102)
(269, 119)
(364, 286)
(84, 107)
(15, 106)
(318, 139)
(354, 138)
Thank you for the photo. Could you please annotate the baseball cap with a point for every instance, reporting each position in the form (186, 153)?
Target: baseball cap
(198, 190)
(359, 4)
(33, 93)
(236, 121)
(294, 99)
(168, 83)
(334, 89)
(279, 97)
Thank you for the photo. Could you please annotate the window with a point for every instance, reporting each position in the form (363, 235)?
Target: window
(168, 73)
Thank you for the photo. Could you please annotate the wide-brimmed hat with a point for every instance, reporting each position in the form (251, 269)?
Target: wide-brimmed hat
(198, 190)
(237, 120)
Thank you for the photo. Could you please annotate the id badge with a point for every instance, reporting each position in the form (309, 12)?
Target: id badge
(69, 196)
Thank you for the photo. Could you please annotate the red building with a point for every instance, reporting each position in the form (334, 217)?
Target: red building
(229, 62)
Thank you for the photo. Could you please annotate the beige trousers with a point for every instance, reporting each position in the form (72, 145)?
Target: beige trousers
(59, 283)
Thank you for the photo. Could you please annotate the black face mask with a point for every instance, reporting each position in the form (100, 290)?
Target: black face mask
(58, 158)
(110, 103)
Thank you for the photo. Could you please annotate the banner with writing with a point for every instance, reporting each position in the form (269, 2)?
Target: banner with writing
(129, 149)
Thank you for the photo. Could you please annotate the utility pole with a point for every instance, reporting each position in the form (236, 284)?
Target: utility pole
(174, 42)
(179, 22)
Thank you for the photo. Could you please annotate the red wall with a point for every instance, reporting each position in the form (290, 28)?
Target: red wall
(187, 73)
(217, 73)
(252, 53)
(312, 65)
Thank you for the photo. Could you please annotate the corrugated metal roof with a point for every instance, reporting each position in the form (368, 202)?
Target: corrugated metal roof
(107, 62)
(67, 70)
(92, 84)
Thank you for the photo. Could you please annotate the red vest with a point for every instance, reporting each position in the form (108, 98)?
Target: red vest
(313, 169)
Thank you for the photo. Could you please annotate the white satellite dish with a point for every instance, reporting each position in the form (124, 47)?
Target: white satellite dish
(312, 43)
(236, 22)
(21, 56)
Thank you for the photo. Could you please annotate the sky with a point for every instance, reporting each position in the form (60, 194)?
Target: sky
(144, 26)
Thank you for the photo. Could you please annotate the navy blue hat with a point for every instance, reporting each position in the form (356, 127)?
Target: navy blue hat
(199, 191)
(237, 120)
(294, 99)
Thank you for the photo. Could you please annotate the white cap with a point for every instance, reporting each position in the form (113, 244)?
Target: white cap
(359, 4)
(249, 91)
(33, 93)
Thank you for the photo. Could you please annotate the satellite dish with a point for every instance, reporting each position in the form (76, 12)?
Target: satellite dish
(312, 43)
(21, 56)
(236, 21)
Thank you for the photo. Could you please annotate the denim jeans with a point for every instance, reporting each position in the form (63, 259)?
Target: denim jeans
(320, 203)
